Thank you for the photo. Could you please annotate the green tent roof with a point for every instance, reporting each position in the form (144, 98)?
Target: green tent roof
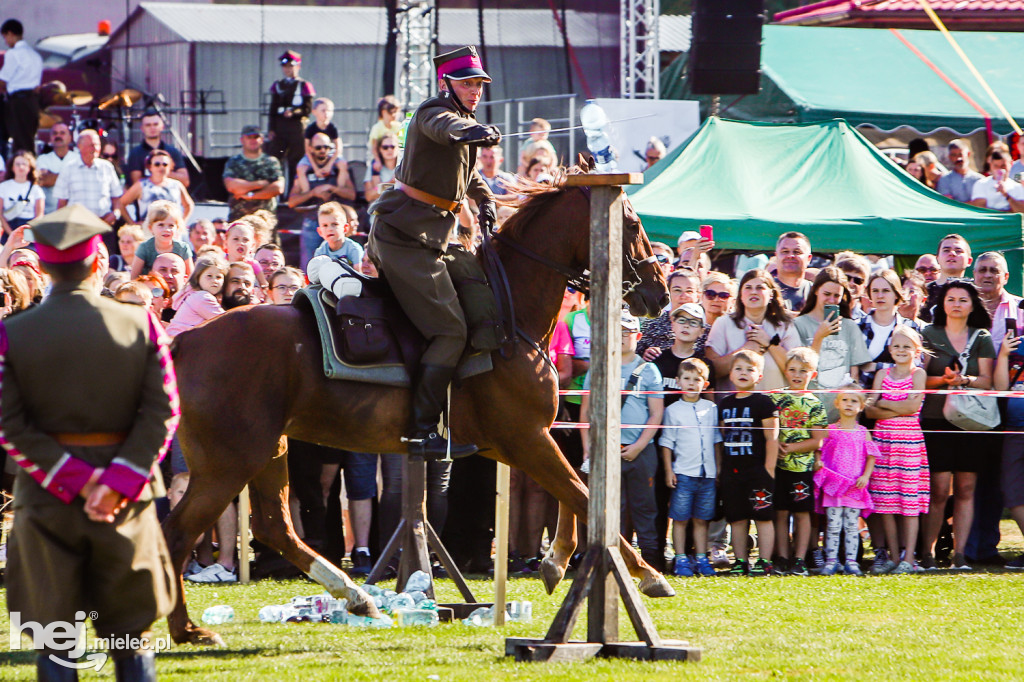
(870, 76)
(754, 181)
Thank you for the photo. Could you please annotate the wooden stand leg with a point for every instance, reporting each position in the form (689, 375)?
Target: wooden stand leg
(243, 536)
(414, 539)
(501, 510)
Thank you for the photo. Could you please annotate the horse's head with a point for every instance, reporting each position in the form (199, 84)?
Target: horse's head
(552, 226)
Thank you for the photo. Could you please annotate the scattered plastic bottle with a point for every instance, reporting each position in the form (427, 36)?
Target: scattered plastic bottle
(417, 596)
(482, 617)
(409, 617)
(595, 126)
(373, 590)
(273, 613)
(418, 582)
(400, 601)
(216, 615)
(520, 612)
(366, 622)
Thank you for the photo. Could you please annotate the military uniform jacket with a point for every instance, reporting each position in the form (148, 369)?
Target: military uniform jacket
(433, 164)
(295, 94)
(82, 363)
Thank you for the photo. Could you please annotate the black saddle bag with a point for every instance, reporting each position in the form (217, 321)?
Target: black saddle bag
(365, 335)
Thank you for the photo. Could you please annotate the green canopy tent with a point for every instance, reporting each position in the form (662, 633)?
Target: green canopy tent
(875, 77)
(754, 181)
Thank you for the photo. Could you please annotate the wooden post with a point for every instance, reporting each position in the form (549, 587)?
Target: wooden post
(243, 535)
(501, 510)
(605, 404)
(602, 576)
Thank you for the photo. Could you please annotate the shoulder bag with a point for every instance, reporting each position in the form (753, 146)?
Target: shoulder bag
(971, 412)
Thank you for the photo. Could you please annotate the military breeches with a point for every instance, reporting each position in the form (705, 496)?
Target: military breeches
(424, 289)
(60, 562)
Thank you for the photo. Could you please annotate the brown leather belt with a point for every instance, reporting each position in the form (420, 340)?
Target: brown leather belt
(87, 440)
(428, 198)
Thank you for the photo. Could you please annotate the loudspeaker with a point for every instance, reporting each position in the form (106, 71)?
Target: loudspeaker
(725, 51)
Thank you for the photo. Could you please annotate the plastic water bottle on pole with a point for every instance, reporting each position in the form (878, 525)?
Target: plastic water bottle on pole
(595, 125)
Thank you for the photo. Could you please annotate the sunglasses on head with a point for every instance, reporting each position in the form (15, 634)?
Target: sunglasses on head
(712, 295)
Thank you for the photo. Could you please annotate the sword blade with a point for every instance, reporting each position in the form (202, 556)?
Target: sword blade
(562, 130)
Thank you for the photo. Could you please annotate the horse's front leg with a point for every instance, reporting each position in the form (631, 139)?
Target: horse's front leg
(552, 568)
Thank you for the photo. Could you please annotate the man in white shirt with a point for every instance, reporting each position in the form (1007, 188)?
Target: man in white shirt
(19, 80)
(997, 191)
(89, 180)
(50, 164)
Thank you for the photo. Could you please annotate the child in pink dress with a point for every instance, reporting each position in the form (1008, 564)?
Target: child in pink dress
(900, 484)
(843, 470)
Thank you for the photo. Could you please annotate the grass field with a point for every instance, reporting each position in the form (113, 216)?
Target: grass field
(935, 626)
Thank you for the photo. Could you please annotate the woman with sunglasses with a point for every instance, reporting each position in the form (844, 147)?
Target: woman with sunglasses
(159, 186)
(718, 295)
(382, 169)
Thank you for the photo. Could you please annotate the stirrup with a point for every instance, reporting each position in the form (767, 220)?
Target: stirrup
(434, 447)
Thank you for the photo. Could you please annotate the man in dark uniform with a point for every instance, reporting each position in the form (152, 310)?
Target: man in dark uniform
(88, 442)
(411, 225)
(291, 101)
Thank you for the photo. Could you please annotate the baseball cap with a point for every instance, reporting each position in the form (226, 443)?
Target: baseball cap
(251, 129)
(689, 235)
(691, 309)
(630, 322)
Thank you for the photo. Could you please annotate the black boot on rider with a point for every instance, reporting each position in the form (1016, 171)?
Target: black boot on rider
(430, 394)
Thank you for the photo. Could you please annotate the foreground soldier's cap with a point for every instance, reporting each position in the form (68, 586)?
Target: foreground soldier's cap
(70, 234)
(290, 57)
(251, 129)
(460, 64)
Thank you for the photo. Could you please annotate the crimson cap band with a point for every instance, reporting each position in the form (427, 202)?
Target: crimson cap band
(70, 234)
(460, 64)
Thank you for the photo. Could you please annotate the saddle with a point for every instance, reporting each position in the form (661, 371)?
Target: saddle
(369, 338)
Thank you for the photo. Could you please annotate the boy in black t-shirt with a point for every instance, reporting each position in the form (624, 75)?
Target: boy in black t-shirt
(750, 435)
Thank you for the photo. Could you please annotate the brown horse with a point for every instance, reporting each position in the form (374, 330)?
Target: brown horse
(256, 373)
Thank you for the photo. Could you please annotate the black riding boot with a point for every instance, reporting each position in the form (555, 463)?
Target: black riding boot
(138, 668)
(47, 670)
(430, 394)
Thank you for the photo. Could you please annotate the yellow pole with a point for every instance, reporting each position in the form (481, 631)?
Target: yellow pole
(501, 542)
(926, 6)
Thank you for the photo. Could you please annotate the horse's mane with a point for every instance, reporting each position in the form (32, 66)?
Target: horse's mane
(532, 197)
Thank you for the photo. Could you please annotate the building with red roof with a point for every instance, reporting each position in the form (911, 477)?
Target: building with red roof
(957, 15)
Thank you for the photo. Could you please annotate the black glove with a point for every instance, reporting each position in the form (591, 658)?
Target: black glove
(479, 136)
(488, 216)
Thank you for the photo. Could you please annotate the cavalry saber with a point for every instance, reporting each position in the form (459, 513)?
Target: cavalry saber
(562, 130)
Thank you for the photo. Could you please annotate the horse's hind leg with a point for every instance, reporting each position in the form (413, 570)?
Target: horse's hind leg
(272, 524)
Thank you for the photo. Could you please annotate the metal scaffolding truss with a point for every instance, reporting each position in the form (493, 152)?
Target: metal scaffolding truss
(417, 28)
(638, 47)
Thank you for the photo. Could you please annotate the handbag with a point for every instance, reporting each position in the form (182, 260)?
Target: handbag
(18, 205)
(971, 412)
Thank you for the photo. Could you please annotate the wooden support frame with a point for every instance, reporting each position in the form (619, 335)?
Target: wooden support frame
(602, 577)
(415, 538)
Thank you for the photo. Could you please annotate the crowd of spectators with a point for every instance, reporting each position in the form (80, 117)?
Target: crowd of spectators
(713, 452)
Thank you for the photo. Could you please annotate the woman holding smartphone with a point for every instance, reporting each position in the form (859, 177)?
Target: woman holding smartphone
(825, 326)
(962, 356)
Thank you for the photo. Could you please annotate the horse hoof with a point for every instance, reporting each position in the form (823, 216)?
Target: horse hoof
(656, 586)
(551, 573)
(200, 637)
(362, 604)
